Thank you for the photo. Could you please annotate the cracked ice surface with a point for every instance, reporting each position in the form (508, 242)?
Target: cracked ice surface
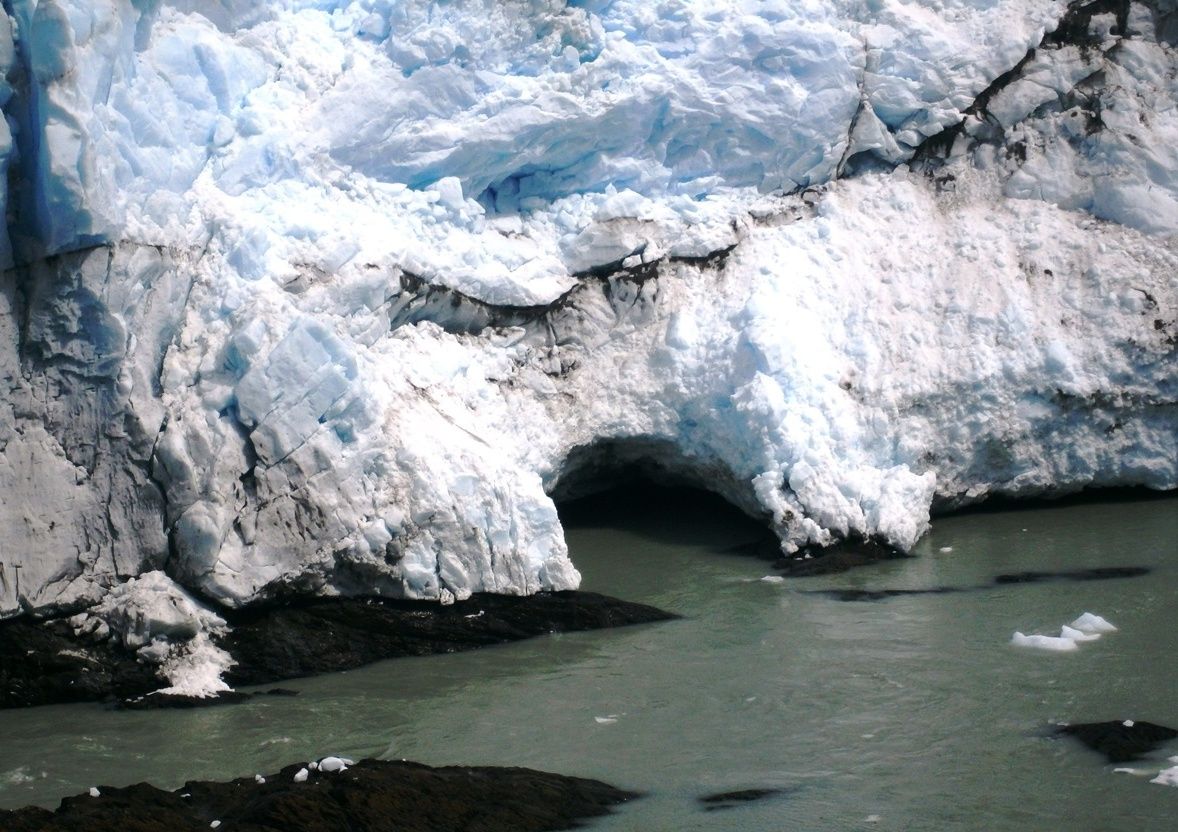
(343, 286)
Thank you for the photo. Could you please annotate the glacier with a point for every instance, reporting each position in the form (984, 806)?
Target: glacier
(314, 296)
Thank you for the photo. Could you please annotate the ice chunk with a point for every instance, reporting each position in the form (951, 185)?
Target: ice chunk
(1043, 642)
(334, 764)
(94, 792)
(259, 779)
(1090, 623)
(301, 775)
(1167, 777)
(1077, 635)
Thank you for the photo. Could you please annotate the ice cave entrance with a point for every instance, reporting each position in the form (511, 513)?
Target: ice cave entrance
(622, 500)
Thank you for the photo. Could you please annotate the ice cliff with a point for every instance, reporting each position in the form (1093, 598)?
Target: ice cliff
(327, 296)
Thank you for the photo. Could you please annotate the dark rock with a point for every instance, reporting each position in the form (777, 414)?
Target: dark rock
(329, 635)
(1097, 574)
(839, 557)
(879, 594)
(372, 796)
(1117, 741)
(729, 800)
(44, 662)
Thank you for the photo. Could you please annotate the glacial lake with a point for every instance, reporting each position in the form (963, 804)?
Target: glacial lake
(909, 713)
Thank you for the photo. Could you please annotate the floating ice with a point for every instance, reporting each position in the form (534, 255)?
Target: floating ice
(1087, 627)
(1167, 777)
(773, 579)
(1077, 635)
(215, 824)
(1090, 623)
(605, 720)
(1043, 642)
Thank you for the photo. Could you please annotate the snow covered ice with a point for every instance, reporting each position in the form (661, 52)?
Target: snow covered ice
(335, 296)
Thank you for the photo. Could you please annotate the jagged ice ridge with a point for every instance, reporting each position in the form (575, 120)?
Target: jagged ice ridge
(333, 297)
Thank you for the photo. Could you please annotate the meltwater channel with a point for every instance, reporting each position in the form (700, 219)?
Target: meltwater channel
(913, 712)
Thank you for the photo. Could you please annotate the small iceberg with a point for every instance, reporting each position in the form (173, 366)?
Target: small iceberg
(1088, 627)
(1077, 635)
(1055, 643)
(1093, 624)
(1167, 777)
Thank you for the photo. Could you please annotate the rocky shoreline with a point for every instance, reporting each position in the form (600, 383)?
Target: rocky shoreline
(372, 795)
(47, 662)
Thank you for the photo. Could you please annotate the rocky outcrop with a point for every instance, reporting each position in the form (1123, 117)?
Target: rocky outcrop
(58, 661)
(372, 795)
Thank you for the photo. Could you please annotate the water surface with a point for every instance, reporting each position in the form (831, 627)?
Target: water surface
(912, 713)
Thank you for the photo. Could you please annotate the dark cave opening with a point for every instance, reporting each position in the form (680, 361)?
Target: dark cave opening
(647, 487)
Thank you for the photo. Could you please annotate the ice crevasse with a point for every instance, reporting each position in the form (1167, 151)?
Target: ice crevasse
(328, 297)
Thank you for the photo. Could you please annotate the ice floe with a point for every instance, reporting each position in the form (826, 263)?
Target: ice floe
(1088, 627)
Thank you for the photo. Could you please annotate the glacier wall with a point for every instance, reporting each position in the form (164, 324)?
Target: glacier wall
(314, 296)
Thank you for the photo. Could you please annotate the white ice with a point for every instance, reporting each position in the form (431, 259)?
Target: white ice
(1054, 643)
(334, 764)
(1167, 777)
(1077, 635)
(1093, 624)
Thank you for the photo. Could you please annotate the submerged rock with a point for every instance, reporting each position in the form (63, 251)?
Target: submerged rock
(373, 795)
(1102, 573)
(880, 594)
(729, 800)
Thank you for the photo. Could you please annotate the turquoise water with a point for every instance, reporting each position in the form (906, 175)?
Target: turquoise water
(911, 713)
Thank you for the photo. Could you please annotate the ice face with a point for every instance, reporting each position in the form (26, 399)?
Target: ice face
(341, 293)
